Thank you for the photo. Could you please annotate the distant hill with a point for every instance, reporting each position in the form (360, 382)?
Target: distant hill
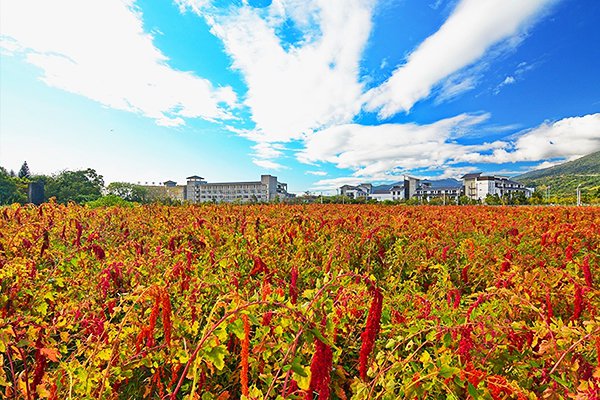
(564, 178)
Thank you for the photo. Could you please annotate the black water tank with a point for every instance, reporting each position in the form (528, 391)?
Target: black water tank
(35, 193)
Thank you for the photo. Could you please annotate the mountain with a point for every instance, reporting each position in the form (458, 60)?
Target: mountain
(564, 178)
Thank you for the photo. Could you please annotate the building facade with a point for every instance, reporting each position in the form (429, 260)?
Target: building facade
(267, 189)
(362, 191)
(478, 186)
(474, 186)
(448, 190)
(402, 190)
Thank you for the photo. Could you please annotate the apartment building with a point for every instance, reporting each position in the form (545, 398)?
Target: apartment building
(475, 186)
(448, 190)
(478, 186)
(361, 191)
(267, 189)
(401, 190)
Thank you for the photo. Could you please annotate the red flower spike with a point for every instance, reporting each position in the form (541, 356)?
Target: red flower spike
(369, 335)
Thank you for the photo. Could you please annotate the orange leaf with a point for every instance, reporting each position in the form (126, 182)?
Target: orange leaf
(52, 354)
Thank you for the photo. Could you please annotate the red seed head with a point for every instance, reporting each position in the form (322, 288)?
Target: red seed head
(370, 333)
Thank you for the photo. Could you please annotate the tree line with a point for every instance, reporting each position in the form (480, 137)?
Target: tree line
(81, 186)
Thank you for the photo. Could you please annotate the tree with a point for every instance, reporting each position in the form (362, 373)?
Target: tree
(24, 171)
(10, 189)
(464, 200)
(78, 186)
(128, 191)
(109, 201)
(537, 197)
(493, 200)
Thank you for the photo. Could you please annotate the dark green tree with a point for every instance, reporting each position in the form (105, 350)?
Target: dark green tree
(24, 171)
(78, 186)
(128, 191)
(11, 189)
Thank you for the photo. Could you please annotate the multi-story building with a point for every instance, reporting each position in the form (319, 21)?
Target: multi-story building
(402, 190)
(448, 190)
(267, 189)
(478, 186)
(357, 192)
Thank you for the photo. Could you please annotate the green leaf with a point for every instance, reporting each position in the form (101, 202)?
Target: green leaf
(472, 391)
(447, 371)
(561, 380)
(319, 336)
(216, 355)
(298, 368)
(237, 328)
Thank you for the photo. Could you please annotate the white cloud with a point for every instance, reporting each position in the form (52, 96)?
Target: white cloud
(456, 85)
(509, 80)
(98, 49)
(268, 164)
(310, 84)
(316, 173)
(377, 151)
(268, 150)
(567, 138)
(386, 152)
(471, 30)
(545, 164)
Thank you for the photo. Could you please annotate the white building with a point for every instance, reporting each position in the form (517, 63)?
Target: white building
(448, 190)
(267, 189)
(478, 187)
(402, 190)
(357, 192)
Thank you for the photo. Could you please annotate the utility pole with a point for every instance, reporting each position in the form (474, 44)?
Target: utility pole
(578, 195)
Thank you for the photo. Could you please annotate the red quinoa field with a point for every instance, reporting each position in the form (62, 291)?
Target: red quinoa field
(299, 302)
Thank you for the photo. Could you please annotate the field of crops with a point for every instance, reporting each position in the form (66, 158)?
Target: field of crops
(299, 302)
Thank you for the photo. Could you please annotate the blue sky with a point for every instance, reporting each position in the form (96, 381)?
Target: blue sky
(318, 92)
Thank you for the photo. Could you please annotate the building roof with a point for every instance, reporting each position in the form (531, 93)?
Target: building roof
(380, 191)
(165, 182)
(437, 188)
(441, 184)
(194, 177)
(388, 187)
(471, 176)
(233, 183)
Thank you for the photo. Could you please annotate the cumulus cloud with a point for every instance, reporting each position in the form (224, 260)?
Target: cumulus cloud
(471, 30)
(386, 152)
(567, 138)
(268, 150)
(376, 150)
(98, 49)
(308, 84)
